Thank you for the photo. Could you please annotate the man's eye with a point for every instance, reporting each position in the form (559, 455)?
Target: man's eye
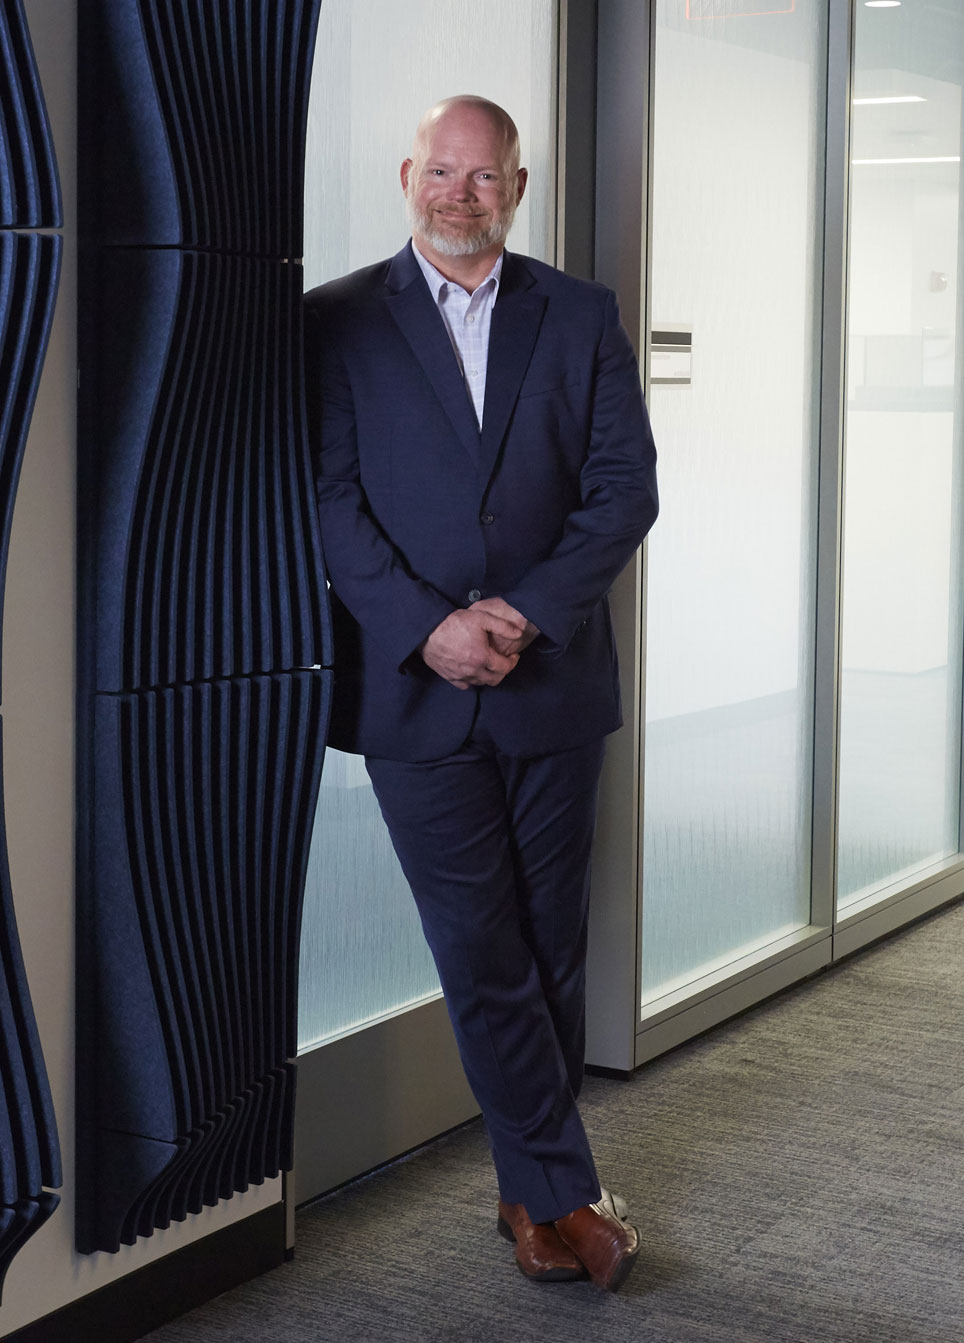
(437, 172)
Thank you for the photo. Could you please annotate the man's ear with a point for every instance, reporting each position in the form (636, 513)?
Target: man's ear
(405, 172)
(521, 178)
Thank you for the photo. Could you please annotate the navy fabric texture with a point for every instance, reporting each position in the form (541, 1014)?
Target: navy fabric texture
(205, 639)
(422, 513)
(496, 850)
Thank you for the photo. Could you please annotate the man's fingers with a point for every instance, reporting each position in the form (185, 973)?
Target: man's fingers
(493, 624)
(500, 662)
(499, 609)
(507, 647)
(496, 668)
(461, 651)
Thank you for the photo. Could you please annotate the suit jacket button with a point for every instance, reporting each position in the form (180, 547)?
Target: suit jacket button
(487, 519)
(475, 595)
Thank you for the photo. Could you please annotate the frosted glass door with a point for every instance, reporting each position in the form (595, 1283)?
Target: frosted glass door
(737, 204)
(378, 65)
(900, 718)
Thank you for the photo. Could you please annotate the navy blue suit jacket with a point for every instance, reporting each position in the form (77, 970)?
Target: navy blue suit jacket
(421, 513)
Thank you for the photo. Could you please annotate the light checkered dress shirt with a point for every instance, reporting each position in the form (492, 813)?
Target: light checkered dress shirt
(467, 319)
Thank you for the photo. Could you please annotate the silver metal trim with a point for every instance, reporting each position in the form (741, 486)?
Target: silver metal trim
(288, 1198)
(646, 360)
(710, 1011)
(576, 136)
(830, 464)
(368, 1097)
(904, 909)
(622, 215)
(369, 1022)
(957, 493)
(947, 874)
(735, 972)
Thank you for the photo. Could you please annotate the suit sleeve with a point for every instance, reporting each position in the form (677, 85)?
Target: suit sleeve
(618, 499)
(366, 571)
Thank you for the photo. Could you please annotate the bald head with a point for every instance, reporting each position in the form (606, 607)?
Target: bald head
(463, 181)
(469, 108)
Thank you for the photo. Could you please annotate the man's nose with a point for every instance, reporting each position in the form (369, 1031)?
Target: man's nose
(464, 188)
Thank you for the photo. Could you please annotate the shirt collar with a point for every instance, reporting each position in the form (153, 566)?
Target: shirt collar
(435, 279)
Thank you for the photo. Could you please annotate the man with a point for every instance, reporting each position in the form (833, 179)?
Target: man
(485, 470)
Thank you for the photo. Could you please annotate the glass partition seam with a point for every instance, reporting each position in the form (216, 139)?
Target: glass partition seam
(557, 170)
(576, 145)
(959, 443)
(832, 329)
(621, 95)
(562, 83)
(646, 339)
(561, 74)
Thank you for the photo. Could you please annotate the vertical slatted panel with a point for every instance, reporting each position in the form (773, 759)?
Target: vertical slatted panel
(204, 627)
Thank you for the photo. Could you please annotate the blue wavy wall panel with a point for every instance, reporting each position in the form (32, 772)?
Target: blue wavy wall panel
(191, 938)
(207, 537)
(205, 641)
(29, 274)
(195, 122)
(29, 185)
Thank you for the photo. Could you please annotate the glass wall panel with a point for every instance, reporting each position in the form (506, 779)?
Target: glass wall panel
(378, 65)
(737, 200)
(900, 719)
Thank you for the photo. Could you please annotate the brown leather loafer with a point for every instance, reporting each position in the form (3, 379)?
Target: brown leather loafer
(540, 1252)
(607, 1246)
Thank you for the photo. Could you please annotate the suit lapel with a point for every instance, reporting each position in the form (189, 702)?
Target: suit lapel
(421, 324)
(516, 319)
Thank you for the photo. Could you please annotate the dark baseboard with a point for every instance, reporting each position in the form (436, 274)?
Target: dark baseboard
(132, 1306)
(618, 1074)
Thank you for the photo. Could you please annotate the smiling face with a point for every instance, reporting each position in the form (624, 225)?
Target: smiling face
(463, 184)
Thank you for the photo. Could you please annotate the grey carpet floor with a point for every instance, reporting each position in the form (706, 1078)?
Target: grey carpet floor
(797, 1174)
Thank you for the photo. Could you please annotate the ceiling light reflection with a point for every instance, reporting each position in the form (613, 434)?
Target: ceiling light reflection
(950, 158)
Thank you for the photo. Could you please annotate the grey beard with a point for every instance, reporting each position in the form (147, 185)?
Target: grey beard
(455, 245)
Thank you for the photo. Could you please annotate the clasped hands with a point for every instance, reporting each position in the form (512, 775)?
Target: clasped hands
(479, 645)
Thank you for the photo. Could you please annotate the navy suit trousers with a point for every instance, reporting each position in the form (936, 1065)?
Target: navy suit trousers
(496, 850)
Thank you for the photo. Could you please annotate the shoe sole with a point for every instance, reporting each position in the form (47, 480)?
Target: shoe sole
(620, 1273)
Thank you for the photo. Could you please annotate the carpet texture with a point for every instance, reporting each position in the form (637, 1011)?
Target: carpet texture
(797, 1174)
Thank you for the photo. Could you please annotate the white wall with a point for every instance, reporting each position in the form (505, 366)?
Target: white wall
(415, 55)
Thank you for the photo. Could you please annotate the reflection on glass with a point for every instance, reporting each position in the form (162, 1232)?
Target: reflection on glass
(362, 950)
(900, 721)
(378, 65)
(729, 642)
